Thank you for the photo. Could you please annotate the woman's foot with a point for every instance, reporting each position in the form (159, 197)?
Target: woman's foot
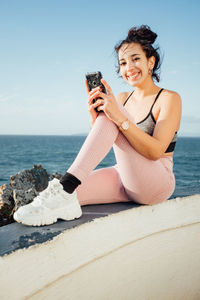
(50, 205)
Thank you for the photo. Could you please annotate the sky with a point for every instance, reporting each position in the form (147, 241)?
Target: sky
(47, 46)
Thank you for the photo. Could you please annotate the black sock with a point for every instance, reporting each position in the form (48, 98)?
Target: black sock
(69, 182)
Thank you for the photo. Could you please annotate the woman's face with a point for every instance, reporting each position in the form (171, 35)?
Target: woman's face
(134, 65)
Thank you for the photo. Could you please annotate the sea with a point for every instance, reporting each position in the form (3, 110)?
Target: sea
(56, 154)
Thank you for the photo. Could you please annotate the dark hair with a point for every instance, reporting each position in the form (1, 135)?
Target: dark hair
(145, 37)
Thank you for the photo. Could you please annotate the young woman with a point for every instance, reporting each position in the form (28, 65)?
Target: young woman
(141, 126)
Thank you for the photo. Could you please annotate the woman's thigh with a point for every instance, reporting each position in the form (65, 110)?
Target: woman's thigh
(145, 181)
(101, 186)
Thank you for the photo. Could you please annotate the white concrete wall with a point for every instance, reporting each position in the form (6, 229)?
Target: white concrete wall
(149, 252)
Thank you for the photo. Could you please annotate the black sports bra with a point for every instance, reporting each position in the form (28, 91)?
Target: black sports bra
(149, 122)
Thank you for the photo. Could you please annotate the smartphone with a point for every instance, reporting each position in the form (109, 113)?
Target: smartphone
(94, 80)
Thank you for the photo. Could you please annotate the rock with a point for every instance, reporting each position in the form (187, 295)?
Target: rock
(22, 189)
(23, 197)
(37, 177)
(6, 194)
(6, 204)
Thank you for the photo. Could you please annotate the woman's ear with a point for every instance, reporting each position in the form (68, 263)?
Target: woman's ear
(151, 62)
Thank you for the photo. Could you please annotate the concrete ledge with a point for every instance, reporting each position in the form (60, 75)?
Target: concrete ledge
(147, 252)
(16, 236)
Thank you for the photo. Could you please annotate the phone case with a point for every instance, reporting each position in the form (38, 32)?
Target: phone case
(94, 80)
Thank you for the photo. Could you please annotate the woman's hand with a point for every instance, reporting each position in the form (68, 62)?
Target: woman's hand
(108, 103)
(92, 105)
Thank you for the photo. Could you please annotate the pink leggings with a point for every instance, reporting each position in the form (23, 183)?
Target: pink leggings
(133, 178)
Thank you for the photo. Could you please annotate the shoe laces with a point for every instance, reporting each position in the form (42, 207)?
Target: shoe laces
(52, 189)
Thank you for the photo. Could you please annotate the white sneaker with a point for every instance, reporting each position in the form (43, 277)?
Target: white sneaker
(51, 204)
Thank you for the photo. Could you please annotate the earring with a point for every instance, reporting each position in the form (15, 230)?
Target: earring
(150, 72)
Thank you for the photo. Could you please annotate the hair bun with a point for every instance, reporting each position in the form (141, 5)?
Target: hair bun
(142, 33)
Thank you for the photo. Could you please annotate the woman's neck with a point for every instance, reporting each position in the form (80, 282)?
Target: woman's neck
(146, 89)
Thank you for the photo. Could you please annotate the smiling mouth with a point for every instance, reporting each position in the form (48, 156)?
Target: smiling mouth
(133, 76)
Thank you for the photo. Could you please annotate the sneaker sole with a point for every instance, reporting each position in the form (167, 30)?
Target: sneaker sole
(51, 217)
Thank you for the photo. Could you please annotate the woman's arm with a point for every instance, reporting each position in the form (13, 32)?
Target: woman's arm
(168, 122)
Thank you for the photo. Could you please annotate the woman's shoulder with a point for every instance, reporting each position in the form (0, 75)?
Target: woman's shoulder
(169, 96)
(122, 97)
